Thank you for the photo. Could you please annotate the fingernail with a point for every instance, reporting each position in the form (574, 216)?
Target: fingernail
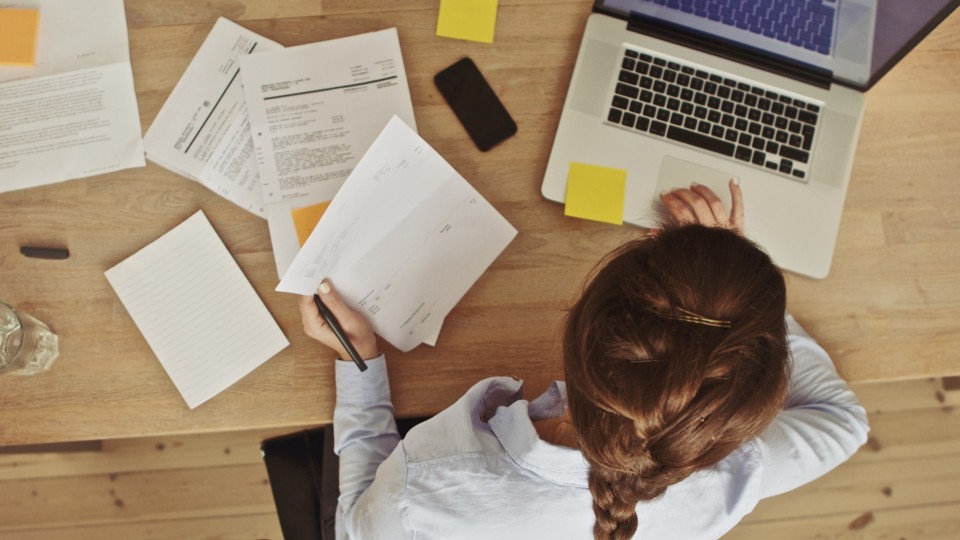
(694, 184)
(664, 193)
(736, 181)
(324, 288)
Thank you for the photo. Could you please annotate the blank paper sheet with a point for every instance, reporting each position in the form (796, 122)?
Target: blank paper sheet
(197, 310)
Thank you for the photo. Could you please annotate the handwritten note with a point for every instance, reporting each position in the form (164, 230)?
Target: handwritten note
(471, 20)
(197, 310)
(596, 193)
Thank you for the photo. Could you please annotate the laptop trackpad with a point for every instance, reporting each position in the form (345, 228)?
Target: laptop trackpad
(677, 173)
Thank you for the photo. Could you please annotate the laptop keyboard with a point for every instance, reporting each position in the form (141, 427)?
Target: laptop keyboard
(715, 112)
(802, 23)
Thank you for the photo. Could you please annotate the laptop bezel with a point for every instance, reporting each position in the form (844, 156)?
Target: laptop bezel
(770, 62)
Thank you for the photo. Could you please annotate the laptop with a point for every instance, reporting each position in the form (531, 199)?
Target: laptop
(767, 91)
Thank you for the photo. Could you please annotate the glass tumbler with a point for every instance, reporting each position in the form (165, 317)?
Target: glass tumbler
(27, 346)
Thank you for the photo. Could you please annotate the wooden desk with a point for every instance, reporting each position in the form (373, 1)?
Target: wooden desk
(889, 310)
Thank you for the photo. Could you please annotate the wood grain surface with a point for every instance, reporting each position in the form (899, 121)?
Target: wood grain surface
(888, 310)
(901, 484)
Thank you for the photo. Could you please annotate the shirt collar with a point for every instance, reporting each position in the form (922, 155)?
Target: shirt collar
(513, 426)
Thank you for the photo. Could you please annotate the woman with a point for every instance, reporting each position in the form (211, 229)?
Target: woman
(689, 396)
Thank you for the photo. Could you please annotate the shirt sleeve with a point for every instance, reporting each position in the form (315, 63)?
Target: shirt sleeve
(822, 423)
(364, 428)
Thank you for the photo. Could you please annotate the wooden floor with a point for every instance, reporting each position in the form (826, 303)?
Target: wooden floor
(902, 484)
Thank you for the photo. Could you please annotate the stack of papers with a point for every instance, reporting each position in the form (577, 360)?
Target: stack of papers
(314, 110)
(279, 131)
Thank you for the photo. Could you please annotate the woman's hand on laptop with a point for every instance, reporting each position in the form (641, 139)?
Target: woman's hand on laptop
(354, 324)
(699, 204)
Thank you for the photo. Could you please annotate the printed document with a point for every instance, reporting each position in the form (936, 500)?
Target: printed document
(203, 130)
(197, 310)
(403, 240)
(74, 113)
(314, 110)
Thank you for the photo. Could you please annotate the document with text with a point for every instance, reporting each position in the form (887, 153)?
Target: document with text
(74, 113)
(314, 110)
(203, 130)
(403, 240)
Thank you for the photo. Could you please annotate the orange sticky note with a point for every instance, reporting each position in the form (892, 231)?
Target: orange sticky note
(18, 36)
(306, 218)
(596, 193)
(472, 20)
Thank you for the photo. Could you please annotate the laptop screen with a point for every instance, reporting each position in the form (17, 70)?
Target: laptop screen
(858, 41)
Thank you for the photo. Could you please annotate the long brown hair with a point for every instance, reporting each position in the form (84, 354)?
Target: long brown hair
(675, 354)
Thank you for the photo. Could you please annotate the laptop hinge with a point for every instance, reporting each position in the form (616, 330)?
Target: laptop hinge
(675, 33)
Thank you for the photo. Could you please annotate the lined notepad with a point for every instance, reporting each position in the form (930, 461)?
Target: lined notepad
(197, 310)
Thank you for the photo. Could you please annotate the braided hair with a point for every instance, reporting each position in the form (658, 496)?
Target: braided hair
(675, 354)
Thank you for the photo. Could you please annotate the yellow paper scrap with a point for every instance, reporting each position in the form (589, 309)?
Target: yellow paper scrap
(305, 219)
(596, 193)
(18, 36)
(472, 20)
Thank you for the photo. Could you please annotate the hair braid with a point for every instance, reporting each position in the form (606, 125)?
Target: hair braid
(614, 508)
(656, 398)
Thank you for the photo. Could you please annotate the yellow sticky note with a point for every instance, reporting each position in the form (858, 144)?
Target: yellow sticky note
(18, 37)
(472, 20)
(596, 193)
(306, 218)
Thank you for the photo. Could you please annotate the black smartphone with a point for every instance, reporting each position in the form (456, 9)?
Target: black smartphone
(479, 110)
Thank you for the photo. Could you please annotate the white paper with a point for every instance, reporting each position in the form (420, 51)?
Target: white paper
(73, 36)
(341, 122)
(203, 129)
(197, 310)
(75, 113)
(316, 108)
(403, 240)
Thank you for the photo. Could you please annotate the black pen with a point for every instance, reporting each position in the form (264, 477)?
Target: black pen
(338, 331)
(45, 252)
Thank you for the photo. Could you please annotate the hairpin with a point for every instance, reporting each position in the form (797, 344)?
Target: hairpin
(644, 360)
(691, 317)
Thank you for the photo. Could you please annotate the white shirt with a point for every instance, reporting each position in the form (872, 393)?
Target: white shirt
(479, 470)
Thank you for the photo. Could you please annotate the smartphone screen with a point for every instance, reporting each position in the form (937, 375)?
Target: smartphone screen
(476, 106)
